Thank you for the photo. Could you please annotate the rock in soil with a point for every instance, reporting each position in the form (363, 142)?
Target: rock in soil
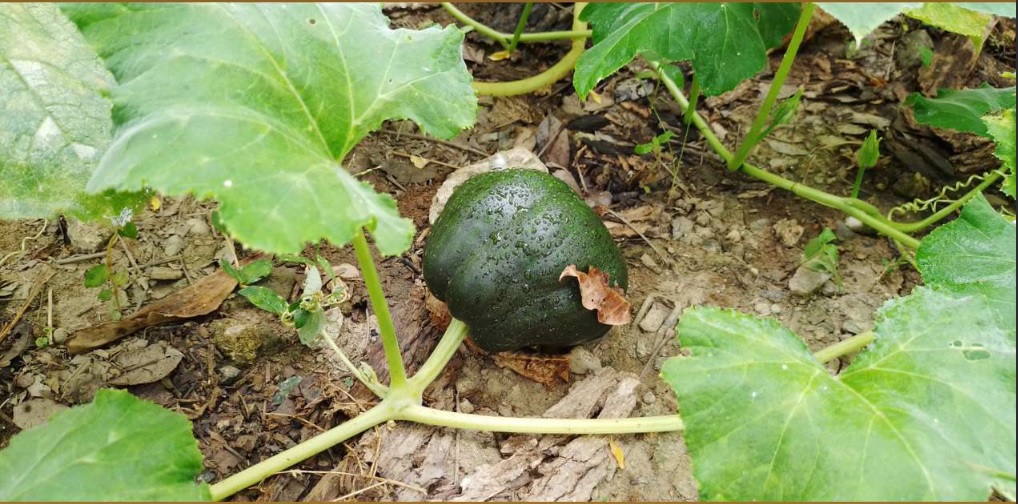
(806, 281)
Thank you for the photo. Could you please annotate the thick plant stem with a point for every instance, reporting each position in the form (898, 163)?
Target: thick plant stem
(504, 38)
(762, 115)
(253, 475)
(440, 356)
(545, 78)
(393, 355)
(429, 416)
(850, 345)
(856, 208)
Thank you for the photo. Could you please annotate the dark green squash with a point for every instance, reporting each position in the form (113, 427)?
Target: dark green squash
(495, 254)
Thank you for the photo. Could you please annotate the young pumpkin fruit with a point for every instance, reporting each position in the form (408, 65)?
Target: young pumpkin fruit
(495, 254)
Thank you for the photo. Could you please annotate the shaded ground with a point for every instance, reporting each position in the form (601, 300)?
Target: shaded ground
(692, 233)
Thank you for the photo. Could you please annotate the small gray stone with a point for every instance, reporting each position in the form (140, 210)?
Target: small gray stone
(228, 375)
(649, 398)
(762, 308)
(466, 406)
(641, 349)
(173, 245)
(789, 231)
(197, 227)
(581, 361)
(59, 335)
(681, 226)
(806, 281)
(654, 317)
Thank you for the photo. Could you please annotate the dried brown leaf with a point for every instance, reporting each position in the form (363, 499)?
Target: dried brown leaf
(200, 298)
(598, 294)
(544, 369)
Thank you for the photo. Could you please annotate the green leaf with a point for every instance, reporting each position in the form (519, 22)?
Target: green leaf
(264, 298)
(128, 230)
(963, 109)
(821, 254)
(974, 254)
(955, 18)
(256, 105)
(783, 113)
(54, 117)
(312, 327)
(927, 413)
(105, 295)
(256, 271)
(861, 19)
(869, 153)
(1002, 129)
(999, 9)
(96, 276)
(655, 144)
(232, 271)
(726, 43)
(117, 448)
(119, 278)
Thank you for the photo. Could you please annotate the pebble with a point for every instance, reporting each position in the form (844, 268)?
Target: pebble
(649, 398)
(228, 374)
(165, 273)
(59, 335)
(466, 406)
(198, 227)
(681, 226)
(641, 350)
(654, 317)
(806, 281)
(173, 245)
(650, 263)
(775, 309)
(789, 231)
(581, 361)
(762, 308)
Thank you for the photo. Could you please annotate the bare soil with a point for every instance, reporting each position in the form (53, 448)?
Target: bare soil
(692, 233)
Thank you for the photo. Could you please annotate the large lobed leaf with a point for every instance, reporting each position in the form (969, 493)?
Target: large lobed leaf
(726, 43)
(116, 448)
(961, 109)
(256, 105)
(54, 119)
(974, 255)
(1001, 129)
(960, 17)
(926, 413)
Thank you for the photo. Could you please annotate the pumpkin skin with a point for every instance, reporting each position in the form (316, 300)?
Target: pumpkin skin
(495, 254)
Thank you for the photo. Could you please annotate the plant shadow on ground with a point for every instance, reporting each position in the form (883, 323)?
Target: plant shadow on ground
(703, 236)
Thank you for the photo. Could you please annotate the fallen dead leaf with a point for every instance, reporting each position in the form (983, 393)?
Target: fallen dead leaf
(598, 294)
(200, 298)
(438, 312)
(620, 458)
(145, 365)
(544, 369)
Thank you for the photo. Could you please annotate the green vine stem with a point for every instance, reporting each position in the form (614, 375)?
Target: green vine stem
(763, 114)
(520, 25)
(856, 208)
(845, 347)
(694, 97)
(284, 460)
(909, 227)
(546, 78)
(393, 355)
(504, 38)
(440, 356)
(577, 426)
